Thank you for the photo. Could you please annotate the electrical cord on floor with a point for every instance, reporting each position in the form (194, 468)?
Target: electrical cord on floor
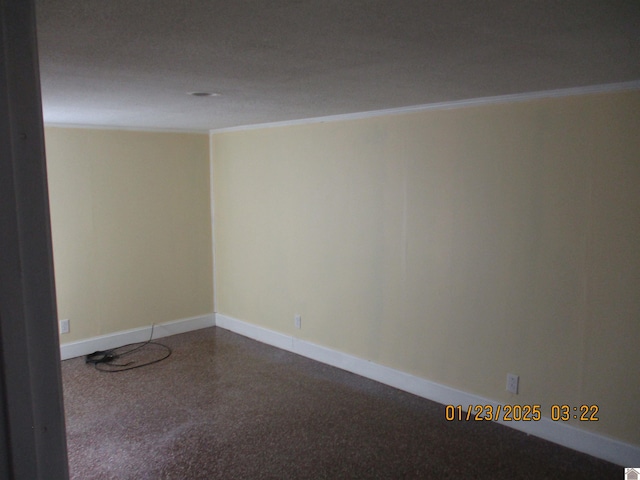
(104, 360)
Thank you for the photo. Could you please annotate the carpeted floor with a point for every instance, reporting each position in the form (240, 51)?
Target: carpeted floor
(227, 407)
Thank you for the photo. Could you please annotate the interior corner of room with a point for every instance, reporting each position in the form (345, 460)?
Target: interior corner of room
(447, 246)
(446, 201)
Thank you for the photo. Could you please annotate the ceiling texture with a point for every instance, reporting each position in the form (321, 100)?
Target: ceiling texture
(132, 63)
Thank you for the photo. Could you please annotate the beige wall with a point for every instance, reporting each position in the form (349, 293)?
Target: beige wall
(131, 226)
(456, 245)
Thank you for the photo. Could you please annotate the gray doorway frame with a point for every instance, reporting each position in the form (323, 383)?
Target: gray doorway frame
(32, 430)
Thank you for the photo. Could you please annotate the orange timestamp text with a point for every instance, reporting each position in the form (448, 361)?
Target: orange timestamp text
(520, 413)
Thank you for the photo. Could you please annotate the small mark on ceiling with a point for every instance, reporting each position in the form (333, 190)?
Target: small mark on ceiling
(203, 94)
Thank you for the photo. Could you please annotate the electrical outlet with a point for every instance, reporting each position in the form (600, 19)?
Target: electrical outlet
(64, 326)
(512, 383)
(298, 321)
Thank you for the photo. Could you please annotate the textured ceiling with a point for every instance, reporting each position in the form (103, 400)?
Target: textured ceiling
(130, 63)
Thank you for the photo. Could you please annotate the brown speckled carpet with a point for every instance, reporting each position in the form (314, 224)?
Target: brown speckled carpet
(226, 407)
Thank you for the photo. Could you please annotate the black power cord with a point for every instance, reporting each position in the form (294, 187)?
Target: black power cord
(104, 360)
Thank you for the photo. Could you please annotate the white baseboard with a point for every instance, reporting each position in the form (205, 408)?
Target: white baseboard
(593, 444)
(125, 337)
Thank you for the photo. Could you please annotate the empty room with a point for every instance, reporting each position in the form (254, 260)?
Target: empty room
(345, 239)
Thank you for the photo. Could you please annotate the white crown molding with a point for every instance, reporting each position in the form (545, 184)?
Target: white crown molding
(125, 128)
(566, 435)
(512, 98)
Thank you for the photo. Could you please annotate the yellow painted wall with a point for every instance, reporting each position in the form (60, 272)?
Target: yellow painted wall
(131, 227)
(456, 245)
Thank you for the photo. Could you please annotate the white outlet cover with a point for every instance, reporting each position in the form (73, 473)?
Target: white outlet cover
(512, 383)
(64, 326)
